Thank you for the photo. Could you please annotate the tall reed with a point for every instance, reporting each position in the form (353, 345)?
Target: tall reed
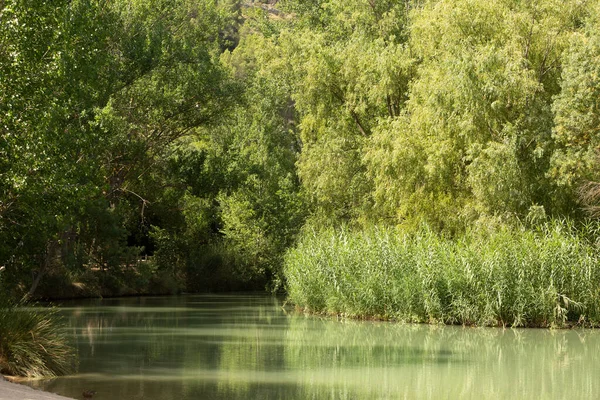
(549, 277)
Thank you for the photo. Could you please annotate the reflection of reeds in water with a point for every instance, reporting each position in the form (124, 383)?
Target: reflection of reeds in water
(379, 360)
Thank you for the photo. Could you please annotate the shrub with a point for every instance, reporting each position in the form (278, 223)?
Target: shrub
(33, 342)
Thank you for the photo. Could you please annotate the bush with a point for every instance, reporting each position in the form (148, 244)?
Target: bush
(515, 277)
(219, 267)
(33, 342)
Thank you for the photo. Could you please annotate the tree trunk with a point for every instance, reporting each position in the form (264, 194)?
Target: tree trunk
(51, 248)
(35, 283)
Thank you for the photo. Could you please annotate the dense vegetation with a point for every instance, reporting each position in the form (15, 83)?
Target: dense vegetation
(544, 277)
(155, 146)
(33, 342)
(125, 136)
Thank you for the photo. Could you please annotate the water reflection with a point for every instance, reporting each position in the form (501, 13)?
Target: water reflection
(248, 347)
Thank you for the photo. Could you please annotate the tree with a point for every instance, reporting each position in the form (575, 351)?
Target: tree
(475, 138)
(577, 114)
(350, 68)
(94, 92)
(241, 174)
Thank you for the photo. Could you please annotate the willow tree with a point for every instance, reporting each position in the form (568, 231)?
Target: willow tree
(577, 115)
(475, 137)
(349, 67)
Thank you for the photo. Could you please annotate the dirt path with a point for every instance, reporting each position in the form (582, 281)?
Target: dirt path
(14, 391)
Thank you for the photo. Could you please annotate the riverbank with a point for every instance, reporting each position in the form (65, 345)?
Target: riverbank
(15, 391)
(505, 277)
(134, 281)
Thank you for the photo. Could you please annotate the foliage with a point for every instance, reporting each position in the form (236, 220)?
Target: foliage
(576, 108)
(349, 67)
(34, 343)
(547, 277)
(475, 138)
(409, 111)
(239, 178)
(93, 94)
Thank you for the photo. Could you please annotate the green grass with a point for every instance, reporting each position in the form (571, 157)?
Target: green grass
(544, 278)
(33, 342)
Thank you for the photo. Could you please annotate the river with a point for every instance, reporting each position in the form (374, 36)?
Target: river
(250, 347)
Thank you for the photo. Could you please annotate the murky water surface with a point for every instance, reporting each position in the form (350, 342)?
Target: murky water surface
(249, 347)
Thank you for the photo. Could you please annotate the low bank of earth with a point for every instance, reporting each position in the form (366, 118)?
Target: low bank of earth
(14, 391)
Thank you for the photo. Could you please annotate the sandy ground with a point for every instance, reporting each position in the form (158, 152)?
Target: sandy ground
(14, 391)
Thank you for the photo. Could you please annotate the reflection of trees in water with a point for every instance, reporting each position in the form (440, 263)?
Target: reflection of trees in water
(252, 347)
(137, 329)
(247, 347)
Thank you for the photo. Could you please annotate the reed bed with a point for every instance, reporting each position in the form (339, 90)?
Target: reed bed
(548, 277)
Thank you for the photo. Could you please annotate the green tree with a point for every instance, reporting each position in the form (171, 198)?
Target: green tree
(476, 136)
(350, 68)
(93, 93)
(577, 113)
(249, 160)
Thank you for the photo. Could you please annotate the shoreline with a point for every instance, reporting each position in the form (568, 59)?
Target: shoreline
(568, 325)
(11, 390)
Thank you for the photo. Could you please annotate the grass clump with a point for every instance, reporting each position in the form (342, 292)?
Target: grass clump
(33, 342)
(549, 277)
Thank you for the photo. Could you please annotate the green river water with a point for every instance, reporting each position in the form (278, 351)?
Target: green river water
(249, 347)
